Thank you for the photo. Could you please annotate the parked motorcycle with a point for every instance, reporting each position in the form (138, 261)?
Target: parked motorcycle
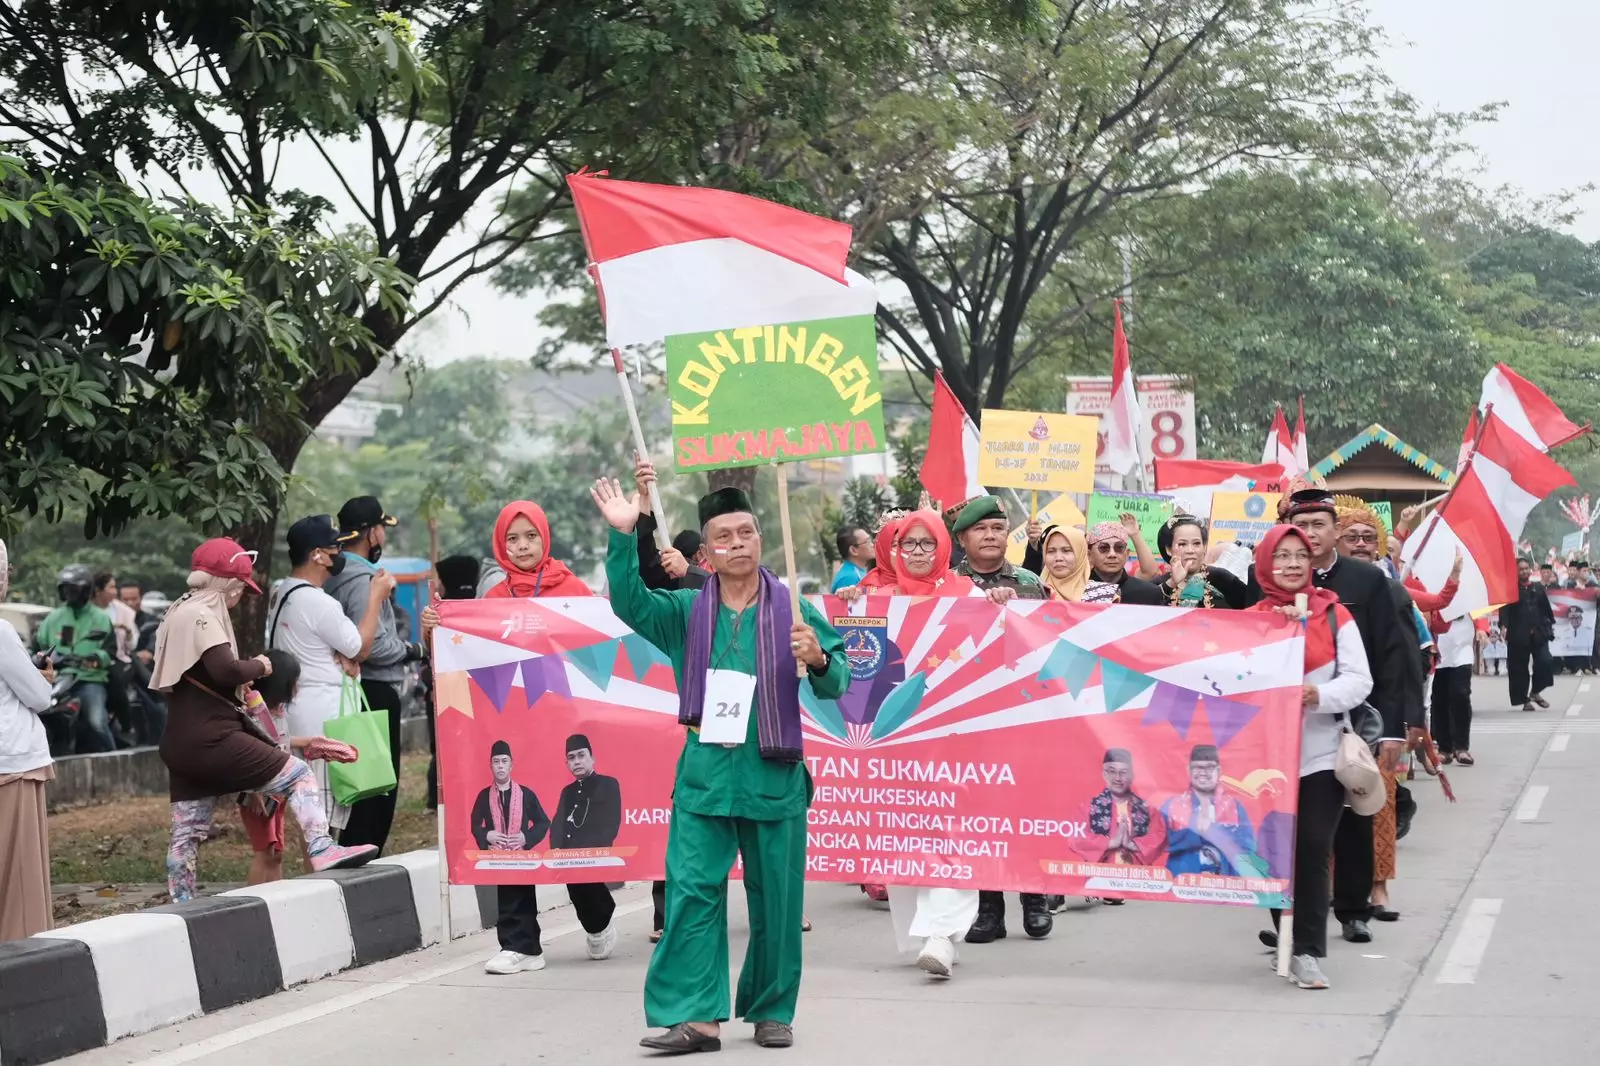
(60, 721)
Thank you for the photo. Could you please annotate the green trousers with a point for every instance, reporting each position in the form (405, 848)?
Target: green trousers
(688, 976)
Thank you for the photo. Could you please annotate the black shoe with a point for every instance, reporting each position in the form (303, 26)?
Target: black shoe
(1357, 932)
(1268, 939)
(1036, 919)
(1384, 914)
(774, 1034)
(683, 1039)
(1056, 903)
(987, 929)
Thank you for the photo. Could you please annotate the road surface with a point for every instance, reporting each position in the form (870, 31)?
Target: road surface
(1496, 960)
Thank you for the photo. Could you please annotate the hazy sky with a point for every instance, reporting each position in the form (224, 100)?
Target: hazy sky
(1451, 54)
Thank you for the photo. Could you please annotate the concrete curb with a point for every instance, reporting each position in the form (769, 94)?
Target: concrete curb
(87, 985)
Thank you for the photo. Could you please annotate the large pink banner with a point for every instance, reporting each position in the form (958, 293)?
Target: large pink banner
(1145, 752)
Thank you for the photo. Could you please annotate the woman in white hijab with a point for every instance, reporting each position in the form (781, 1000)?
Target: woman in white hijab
(211, 746)
(25, 766)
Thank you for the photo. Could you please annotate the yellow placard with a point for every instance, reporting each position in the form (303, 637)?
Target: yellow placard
(1244, 516)
(1060, 511)
(1039, 452)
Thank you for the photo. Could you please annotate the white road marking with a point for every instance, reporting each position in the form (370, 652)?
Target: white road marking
(1466, 954)
(1532, 800)
(1559, 741)
(267, 1026)
(1583, 686)
(1574, 710)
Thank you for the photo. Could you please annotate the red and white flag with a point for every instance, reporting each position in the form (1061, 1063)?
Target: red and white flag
(950, 467)
(1192, 481)
(1121, 452)
(1280, 446)
(1483, 519)
(670, 259)
(1302, 459)
(1526, 410)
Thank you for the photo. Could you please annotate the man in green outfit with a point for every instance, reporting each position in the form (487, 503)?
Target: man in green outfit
(741, 786)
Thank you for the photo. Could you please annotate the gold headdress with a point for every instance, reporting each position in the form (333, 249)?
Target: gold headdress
(1354, 511)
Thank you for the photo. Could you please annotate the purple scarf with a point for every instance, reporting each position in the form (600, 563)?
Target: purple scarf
(777, 687)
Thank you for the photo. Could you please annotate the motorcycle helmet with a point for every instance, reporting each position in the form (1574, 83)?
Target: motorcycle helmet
(74, 585)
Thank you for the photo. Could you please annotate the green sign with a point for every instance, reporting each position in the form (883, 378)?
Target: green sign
(1384, 512)
(1150, 510)
(774, 394)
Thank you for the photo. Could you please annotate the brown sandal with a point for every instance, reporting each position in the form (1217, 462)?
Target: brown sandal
(1464, 758)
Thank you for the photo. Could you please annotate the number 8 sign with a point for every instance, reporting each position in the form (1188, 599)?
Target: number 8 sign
(1166, 403)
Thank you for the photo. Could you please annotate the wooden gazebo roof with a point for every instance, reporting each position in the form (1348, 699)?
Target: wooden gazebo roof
(1394, 467)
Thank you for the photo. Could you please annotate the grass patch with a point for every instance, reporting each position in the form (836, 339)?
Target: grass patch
(125, 842)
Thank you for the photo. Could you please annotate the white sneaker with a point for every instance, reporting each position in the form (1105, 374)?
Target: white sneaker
(938, 957)
(601, 943)
(510, 962)
(1305, 971)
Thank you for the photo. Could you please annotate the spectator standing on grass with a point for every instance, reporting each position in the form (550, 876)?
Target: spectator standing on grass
(25, 766)
(305, 621)
(363, 531)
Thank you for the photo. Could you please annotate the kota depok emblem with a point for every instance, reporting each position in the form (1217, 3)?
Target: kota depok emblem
(1255, 506)
(864, 642)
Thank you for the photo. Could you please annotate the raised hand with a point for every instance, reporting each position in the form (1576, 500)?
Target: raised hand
(615, 506)
(1035, 530)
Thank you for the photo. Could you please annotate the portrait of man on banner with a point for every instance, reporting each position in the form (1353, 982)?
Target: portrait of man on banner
(1123, 828)
(1208, 828)
(589, 812)
(507, 815)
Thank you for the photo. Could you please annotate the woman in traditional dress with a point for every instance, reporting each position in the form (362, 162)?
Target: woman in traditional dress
(25, 766)
(1189, 581)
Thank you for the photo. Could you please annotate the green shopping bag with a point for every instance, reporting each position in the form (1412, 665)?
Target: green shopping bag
(366, 730)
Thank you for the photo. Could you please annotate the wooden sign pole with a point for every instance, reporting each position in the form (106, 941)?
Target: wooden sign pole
(782, 470)
(663, 534)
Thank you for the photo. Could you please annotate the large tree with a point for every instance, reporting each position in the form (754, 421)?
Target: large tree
(446, 125)
(139, 343)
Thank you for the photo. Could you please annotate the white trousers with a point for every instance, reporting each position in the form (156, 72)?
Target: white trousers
(919, 913)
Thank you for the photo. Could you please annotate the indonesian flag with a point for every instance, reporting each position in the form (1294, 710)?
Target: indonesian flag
(1121, 452)
(1194, 480)
(1280, 446)
(669, 260)
(1483, 518)
(1526, 410)
(950, 467)
(1301, 458)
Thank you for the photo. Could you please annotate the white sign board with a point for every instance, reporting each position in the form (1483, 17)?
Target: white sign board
(1168, 429)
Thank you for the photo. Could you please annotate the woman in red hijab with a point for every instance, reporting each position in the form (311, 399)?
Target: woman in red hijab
(922, 562)
(1337, 679)
(522, 548)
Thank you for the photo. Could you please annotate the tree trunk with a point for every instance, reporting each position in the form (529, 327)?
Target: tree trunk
(738, 477)
(250, 618)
